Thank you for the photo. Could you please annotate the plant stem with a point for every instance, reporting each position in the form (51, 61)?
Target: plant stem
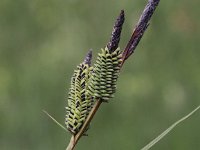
(75, 138)
(71, 144)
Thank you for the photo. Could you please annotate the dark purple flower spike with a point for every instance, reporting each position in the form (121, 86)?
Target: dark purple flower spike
(115, 36)
(88, 58)
(140, 28)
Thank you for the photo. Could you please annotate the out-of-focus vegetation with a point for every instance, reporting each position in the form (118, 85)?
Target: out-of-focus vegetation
(41, 42)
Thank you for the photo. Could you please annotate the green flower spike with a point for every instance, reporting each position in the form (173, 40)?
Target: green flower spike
(80, 102)
(102, 84)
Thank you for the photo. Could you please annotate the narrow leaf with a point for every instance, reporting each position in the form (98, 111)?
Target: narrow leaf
(55, 120)
(163, 134)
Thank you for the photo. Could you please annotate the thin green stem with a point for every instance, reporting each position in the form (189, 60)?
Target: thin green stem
(59, 124)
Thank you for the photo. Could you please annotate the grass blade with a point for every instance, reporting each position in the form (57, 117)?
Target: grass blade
(163, 134)
(59, 124)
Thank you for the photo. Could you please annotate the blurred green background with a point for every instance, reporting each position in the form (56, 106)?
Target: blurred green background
(42, 41)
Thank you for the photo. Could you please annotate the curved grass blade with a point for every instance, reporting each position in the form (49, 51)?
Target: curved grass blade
(163, 134)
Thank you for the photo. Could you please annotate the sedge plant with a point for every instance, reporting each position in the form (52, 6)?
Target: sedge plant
(98, 84)
(92, 85)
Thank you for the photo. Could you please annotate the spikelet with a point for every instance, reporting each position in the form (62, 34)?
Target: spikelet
(80, 101)
(89, 84)
(102, 84)
(116, 32)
